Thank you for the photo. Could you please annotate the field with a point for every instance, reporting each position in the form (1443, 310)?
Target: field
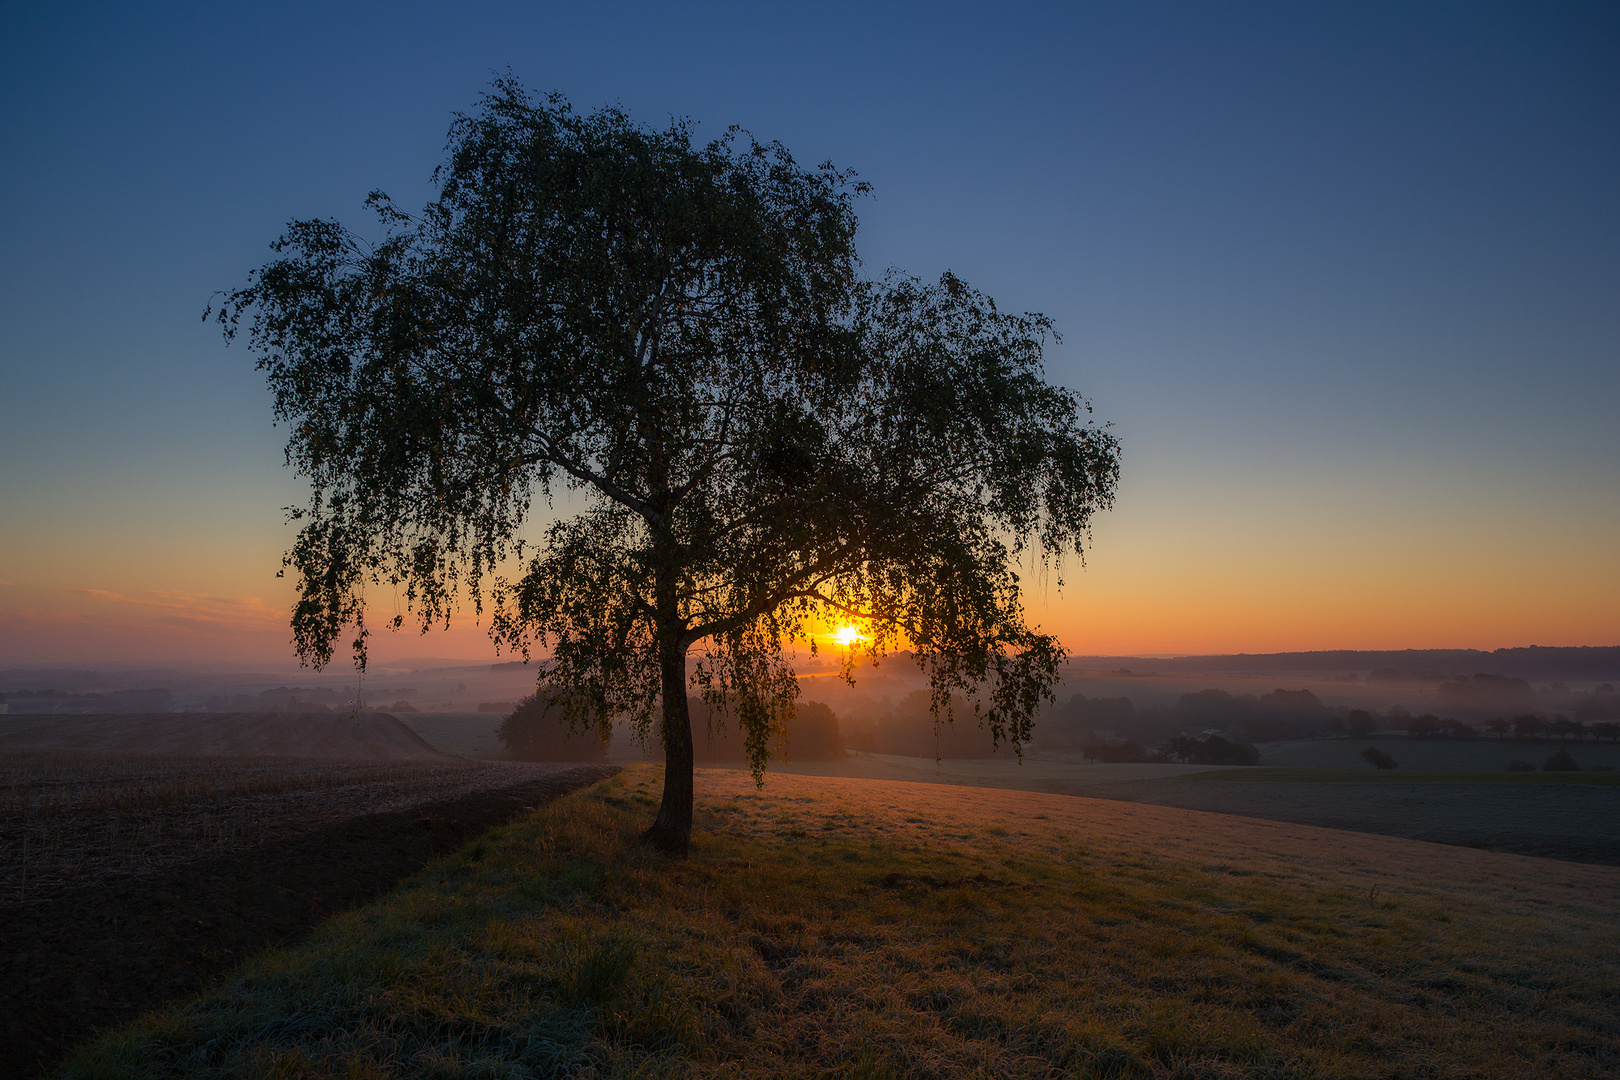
(832, 926)
(68, 816)
(466, 734)
(1498, 811)
(1283, 774)
(362, 737)
(1485, 754)
(126, 879)
(1453, 792)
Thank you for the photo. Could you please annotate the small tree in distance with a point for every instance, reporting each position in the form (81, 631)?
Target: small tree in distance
(538, 730)
(759, 442)
(1561, 762)
(1377, 758)
(1361, 723)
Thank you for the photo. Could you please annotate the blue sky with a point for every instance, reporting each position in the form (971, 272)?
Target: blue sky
(1346, 279)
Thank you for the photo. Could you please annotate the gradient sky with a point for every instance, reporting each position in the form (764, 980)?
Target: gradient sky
(1345, 278)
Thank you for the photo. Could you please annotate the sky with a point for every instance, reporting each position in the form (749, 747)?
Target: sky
(1344, 278)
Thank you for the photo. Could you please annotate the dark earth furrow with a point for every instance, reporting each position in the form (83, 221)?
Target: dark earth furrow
(100, 954)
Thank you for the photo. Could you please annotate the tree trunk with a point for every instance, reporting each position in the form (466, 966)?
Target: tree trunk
(671, 831)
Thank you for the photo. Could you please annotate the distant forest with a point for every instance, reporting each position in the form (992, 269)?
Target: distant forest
(1477, 706)
(1209, 726)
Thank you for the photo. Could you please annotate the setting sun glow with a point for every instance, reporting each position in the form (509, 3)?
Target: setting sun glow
(848, 636)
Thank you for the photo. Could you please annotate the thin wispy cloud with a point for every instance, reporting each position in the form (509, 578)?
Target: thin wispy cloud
(194, 610)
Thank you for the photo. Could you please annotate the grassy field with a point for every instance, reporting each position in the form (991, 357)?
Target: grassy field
(1288, 775)
(838, 927)
(1484, 754)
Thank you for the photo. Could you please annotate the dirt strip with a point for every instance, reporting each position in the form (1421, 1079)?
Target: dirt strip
(100, 954)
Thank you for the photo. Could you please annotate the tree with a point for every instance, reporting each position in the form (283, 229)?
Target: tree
(754, 441)
(537, 729)
(1210, 750)
(1528, 726)
(1377, 758)
(1563, 727)
(1423, 727)
(1561, 762)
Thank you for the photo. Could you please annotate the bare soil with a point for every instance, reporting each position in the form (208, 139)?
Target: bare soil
(68, 817)
(345, 736)
(101, 938)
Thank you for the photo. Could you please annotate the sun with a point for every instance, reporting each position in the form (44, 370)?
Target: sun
(848, 636)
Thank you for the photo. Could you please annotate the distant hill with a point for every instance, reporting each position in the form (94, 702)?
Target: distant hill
(1535, 662)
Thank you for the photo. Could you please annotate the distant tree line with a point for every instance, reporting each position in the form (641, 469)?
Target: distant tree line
(1209, 726)
(1280, 714)
(156, 699)
(814, 735)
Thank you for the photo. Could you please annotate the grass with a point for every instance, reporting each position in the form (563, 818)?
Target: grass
(1300, 775)
(827, 927)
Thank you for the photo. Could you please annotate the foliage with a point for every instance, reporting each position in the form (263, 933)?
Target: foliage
(910, 727)
(1519, 765)
(919, 936)
(1377, 758)
(756, 439)
(1561, 762)
(1430, 726)
(538, 729)
(1210, 750)
(814, 736)
(1484, 693)
(1280, 714)
(1072, 724)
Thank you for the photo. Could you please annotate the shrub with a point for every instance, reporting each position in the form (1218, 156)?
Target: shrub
(813, 735)
(1378, 758)
(1210, 750)
(1116, 753)
(1561, 762)
(538, 730)
(1517, 765)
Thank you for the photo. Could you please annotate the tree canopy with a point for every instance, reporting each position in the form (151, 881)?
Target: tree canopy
(737, 438)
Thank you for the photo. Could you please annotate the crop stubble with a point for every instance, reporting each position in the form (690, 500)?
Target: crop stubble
(128, 879)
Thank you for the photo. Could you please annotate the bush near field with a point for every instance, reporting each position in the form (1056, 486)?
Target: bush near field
(538, 730)
(814, 735)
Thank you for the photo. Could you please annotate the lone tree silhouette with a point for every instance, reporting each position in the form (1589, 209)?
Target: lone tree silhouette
(751, 438)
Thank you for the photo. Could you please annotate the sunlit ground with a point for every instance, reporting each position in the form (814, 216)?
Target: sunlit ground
(845, 927)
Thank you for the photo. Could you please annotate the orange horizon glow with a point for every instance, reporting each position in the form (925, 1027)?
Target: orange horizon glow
(101, 625)
(1149, 588)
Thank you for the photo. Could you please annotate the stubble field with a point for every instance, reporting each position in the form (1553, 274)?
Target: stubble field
(129, 879)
